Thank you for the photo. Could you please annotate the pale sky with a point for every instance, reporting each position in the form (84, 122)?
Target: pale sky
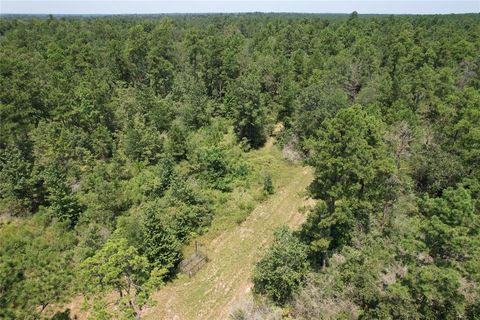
(216, 6)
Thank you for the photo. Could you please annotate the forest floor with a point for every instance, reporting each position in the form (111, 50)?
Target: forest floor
(234, 248)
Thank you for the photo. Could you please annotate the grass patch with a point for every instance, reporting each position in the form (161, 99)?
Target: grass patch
(232, 208)
(234, 249)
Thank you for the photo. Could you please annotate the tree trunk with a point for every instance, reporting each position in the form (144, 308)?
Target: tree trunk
(136, 311)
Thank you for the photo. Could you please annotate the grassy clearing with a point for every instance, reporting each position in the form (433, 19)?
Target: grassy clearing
(235, 247)
(231, 209)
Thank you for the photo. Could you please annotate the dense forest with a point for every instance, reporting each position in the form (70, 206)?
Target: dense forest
(121, 138)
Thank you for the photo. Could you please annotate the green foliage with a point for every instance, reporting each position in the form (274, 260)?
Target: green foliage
(151, 182)
(316, 103)
(325, 231)
(438, 291)
(91, 239)
(176, 144)
(268, 185)
(117, 266)
(18, 191)
(159, 242)
(102, 195)
(249, 118)
(35, 269)
(135, 54)
(141, 118)
(436, 170)
(350, 158)
(124, 128)
(159, 58)
(191, 103)
(215, 168)
(113, 265)
(452, 225)
(352, 168)
(190, 211)
(63, 203)
(214, 159)
(280, 273)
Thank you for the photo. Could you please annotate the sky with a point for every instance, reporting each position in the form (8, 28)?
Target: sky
(217, 6)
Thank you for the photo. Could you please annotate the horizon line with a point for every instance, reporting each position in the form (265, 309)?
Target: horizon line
(125, 7)
(234, 13)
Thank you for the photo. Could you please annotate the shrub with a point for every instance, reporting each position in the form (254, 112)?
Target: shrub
(282, 270)
(268, 185)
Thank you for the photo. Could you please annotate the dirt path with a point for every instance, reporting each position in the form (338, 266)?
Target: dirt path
(226, 279)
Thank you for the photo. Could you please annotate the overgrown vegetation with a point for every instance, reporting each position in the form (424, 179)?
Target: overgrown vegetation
(121, 138)
(396, 231)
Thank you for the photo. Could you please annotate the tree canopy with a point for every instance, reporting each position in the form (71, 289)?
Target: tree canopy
(122, 138)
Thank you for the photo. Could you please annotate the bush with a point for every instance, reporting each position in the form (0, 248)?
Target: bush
(282, 270)
(268, 185)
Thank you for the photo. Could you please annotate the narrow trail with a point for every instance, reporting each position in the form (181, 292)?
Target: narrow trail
(226, 279)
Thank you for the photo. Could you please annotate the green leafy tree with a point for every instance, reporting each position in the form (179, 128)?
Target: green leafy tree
(434, 169)
(18, 191)
(21, 109)
(326, 231)
(190, 209)
(248, 113)
(352, 168)
(194, 108)
(63, 202)
(101, 194)
(141, 119)
(118, 266)
(176, 143)
(211, 159)
(160, 67)
(280, 273)
(135, 54)
(452, 225)
(194, 43)
(437, 291)
(316, 103)
(351, 159)
(215, 167)
(160, 244)
(463, 131)
(35, 269)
